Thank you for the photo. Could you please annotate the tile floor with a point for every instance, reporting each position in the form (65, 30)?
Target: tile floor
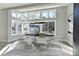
(33, 52)
(30, 51)
(2, 45)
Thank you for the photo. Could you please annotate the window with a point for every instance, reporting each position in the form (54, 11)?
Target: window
(45, 14)
(37, 15)
(19, 16)
(49, 27)
(43, 27)
(18, 27)
(31, 15)
(34, 28)
(24, 16)
(13, 14)
(16, 23)
(13, 29)
(52, 14)
(25, 27)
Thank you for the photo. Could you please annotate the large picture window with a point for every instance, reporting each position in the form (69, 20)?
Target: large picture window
(19, 21)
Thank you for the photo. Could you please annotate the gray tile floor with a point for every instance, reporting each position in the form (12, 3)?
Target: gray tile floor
(2, 45)
(37, 52)
(24, 50)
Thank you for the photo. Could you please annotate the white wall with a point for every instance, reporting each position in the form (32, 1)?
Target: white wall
(61, 22)
(70, 14)
(3, 25)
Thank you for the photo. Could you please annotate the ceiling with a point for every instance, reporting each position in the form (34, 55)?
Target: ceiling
(37, 6)
(10, 5)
